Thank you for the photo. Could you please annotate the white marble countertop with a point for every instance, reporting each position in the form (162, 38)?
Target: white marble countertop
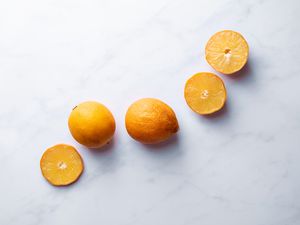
(238, 167)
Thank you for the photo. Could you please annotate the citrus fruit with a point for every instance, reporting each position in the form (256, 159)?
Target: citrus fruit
(227, 51)
(61, 165)
(150, 121)
(205, 93)
(92, 124)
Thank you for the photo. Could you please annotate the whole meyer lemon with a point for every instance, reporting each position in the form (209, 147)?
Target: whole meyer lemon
(92, 124)
(150, 121)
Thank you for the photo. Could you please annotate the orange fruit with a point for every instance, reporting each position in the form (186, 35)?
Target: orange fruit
(227, 51)
(205, 93)
(92, 124)
(150, 121)
(61, 165)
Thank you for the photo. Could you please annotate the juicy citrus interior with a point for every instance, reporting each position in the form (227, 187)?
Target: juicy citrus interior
(227, 51)
(205, 93)
(92, 124)
(61, 165)
(150, 121)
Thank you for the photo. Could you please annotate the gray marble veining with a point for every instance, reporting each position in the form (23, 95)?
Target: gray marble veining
(240, 166)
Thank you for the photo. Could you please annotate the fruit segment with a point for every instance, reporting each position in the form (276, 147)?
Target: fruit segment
(61, 165)
(227, 51)
(205, 93)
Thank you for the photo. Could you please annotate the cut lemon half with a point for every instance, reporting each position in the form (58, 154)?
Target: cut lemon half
(61, 165)
(227, 51)
(205, 93)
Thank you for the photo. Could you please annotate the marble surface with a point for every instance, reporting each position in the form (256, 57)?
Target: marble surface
(238, 167)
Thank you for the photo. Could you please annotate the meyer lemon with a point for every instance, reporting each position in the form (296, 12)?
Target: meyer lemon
(150, 121)
(227, 51)
(205, 93)
(61, 165)
(92, 124)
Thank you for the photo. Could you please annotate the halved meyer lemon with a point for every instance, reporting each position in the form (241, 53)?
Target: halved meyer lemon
(227, 51)
(61, 165)
(205, 93)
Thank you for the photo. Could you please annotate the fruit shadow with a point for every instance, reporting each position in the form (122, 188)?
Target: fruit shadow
(104, 154)
(222, 113)
(106, 158)
(245, 74)
(163, 146)
(104, 150)
(161, 155)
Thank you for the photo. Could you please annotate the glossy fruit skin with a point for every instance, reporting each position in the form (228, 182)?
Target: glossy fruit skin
(227, 51)
(150, 121)
(205, 93)
(51, 160)
(92, 124)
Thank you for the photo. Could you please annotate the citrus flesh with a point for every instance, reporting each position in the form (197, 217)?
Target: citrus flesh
(92, 124)
(227, 51)
(150, 121)
(205, 93)
(61, 165)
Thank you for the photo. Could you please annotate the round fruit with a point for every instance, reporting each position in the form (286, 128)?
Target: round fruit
(227, 51)
(205, 93)
(92, 124)
(150, 121)
(61, 165)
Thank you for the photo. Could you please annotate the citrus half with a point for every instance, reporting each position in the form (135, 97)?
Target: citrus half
(205, 93)
(61, 165)
(227, 51)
